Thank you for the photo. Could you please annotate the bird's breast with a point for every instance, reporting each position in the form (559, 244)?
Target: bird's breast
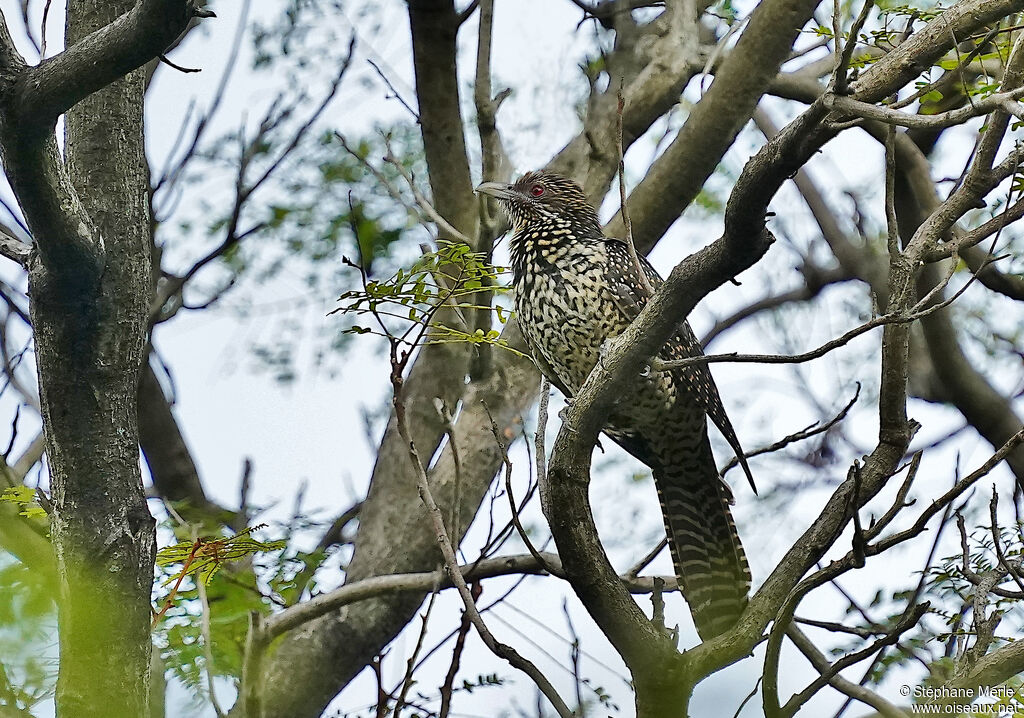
(564, 308)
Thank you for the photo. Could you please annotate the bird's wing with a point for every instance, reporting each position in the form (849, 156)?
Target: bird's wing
(630, 296)
(545, 367)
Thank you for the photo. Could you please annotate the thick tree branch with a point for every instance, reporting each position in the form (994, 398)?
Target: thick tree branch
(88, 212)
(678, 174)
(60, 82)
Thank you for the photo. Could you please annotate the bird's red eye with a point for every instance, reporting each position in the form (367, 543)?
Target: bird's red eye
(536, 190)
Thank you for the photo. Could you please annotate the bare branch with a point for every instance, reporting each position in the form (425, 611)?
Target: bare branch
(451, 563)
(13, 248)
(854, 691)
(844, 53)
(906, 622)
(806, 433)
(999, 100)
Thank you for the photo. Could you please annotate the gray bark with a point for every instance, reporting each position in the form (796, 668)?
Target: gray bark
(89, 348)
(89, 286)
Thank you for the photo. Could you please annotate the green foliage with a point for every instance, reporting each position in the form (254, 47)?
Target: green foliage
(725, 10)
(226, 567)
(948, 579)
(421, 705)
(24, 497)
(302, 31)
(263, 574)
(923, 10)
(407, 304)
(232, 597)
(601, 696)
(321, 204)
(27, 622)
(205, 556)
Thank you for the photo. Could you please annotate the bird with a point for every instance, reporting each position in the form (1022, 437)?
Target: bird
(574, 289)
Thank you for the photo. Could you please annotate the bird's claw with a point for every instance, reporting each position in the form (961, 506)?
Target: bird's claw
(727, 490)
(655, 364)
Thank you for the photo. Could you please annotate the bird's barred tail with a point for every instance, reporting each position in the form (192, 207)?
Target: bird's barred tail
(706, 550)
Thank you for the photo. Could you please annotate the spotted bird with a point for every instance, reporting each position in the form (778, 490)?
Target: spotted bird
(576, 288)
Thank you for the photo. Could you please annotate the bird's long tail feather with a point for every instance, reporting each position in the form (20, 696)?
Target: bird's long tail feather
(706, 550)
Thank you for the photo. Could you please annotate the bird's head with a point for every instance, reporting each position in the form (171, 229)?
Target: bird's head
(541, 198)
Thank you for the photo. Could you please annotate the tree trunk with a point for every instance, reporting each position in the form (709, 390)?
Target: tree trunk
(89, 342)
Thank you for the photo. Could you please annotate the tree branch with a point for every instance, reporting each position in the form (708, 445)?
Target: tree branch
(985, 105)
(678, 174)
(851, 689)
(60, 82)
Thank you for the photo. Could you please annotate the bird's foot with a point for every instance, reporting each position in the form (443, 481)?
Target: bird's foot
(727, 490)
(655, 364)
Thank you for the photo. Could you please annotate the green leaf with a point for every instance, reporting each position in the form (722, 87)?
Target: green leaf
(19, 495)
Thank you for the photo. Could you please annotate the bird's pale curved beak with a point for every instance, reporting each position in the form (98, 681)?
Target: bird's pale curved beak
(499, 190)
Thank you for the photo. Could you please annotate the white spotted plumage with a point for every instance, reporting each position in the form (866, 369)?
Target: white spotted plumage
(575, 289)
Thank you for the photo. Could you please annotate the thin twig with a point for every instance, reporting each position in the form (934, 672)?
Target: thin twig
(750, 696)
(448, 552)
(852, 690)
(208, 646)
(895, 317)
(805, 433)
(424, 204)
(646, 560)
(394, 93)
(645, 281)
(908, 621)
(997, 541)
(180, 68)
(524, 537)
(448, 687)
(844, 52)
(410, 665)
